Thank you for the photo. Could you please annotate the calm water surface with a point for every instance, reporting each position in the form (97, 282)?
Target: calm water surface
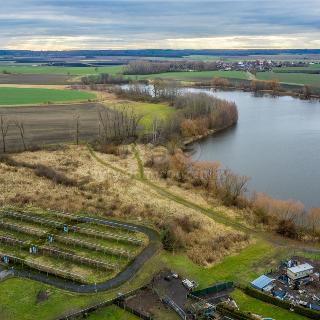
(276, 142)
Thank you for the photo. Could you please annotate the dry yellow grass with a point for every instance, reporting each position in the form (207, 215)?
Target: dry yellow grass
(112, 193)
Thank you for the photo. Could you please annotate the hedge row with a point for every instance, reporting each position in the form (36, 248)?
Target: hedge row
(312, 314)
(226, 310)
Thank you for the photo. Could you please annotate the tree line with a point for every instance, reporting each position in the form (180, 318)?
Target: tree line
(273, 86)
(103, 78)
(148, 67)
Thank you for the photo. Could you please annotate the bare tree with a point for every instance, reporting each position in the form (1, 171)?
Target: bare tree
(20, 126)
(307, 92)
(232, 186)
(4, 127)
(77, 123)
(155, 130)
(314, 220)
(118, 124)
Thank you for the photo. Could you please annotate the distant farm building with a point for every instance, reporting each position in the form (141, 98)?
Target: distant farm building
(263, 283)
(300, 271)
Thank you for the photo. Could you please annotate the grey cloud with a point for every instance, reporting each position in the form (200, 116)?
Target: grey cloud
(147, 20)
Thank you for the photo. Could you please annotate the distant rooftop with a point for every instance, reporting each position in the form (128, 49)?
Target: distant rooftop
(261, 282)
(301, 268)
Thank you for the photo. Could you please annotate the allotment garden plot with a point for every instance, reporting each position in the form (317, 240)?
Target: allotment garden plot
(65, 245)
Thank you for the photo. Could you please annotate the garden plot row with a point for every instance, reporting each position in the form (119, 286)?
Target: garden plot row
(12, 241)
(110, 225)
(40, 267)
(66, 216)
(22, 229)
(60, 254)
(67, 240)
(93, 246)
(86, 231)
(78, 259)
(107, 236)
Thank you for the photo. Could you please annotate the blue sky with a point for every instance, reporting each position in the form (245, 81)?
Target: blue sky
(132, 24)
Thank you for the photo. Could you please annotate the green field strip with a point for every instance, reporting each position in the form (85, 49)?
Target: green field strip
(291, 78)
(10, 96)
(60, 70)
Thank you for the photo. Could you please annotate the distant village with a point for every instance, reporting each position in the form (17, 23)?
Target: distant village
(257, 65)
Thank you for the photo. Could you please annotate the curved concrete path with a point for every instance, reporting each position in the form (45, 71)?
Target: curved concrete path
(118, 280)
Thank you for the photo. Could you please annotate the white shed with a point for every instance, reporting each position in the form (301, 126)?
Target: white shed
(300, 271)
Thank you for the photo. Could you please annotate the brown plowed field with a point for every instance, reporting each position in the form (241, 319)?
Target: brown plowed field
(35, 79)
(51, 124)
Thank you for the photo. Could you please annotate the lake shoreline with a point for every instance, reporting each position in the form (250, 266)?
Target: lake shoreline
(285, 93)
(273, 134)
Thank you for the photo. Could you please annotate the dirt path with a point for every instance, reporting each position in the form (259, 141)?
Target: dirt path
(275, 240)
(251, 76)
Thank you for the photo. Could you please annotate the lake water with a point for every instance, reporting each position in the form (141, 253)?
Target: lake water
(276, 142)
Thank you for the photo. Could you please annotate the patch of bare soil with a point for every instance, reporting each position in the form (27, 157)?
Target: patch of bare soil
(34, 79)
(51, 124)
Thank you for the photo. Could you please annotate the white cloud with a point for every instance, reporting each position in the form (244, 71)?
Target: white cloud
(305, 41)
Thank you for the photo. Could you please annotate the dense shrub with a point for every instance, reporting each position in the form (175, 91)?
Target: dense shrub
(57, 177)
(103, 78)
(227, 310)
(287, 229)
(43, 171)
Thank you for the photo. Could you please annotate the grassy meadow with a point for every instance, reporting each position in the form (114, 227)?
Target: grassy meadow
(291, 78)
(149, 112)
(193, 75)
(28, 96)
